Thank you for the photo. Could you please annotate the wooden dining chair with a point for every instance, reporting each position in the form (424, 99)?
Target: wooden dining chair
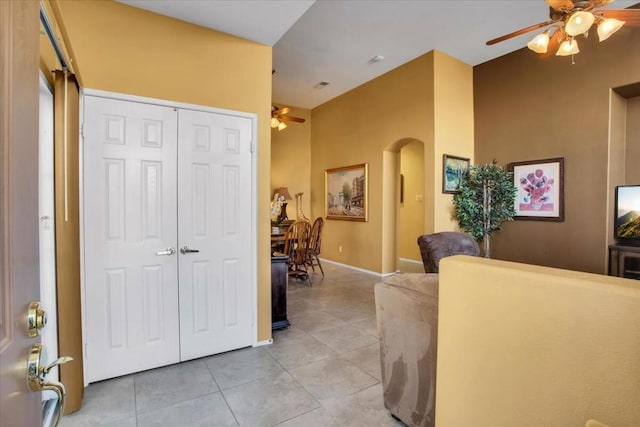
(296, 243)
(315, 239)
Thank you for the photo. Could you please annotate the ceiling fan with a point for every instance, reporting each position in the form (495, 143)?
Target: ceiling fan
(279, 117)
(570, 18)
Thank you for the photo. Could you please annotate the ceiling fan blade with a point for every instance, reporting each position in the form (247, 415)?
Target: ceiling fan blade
(563, 5)
(629, 16)
(600, 3)
(291, 119)
(554, 44)
(519, 32)
(280, 111)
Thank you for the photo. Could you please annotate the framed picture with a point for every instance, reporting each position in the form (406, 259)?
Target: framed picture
(453, 169)
(346, 192)
(540, 189)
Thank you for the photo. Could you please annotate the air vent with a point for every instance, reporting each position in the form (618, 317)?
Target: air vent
(321, 85)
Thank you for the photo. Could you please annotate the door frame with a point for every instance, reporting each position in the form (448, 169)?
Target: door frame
(48, 290)
(254, 194)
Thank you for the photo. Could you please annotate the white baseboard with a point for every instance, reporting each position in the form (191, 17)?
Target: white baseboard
(362, 270)
(410, 261)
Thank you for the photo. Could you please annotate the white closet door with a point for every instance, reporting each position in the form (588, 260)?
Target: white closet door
(214, 212)
(129, 217)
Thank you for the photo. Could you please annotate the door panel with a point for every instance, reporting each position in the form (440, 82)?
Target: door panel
(18, 207)
(214, 213)
(130, 216)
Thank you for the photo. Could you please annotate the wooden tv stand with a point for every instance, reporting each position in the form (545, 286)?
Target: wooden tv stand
(624, 261)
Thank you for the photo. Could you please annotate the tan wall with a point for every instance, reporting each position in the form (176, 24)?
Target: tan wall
(522, 345)
(453, 119)
(123, 49)
(529, 108)
(291, 161)
(383, 114)
(412, 210)
(632, 169)
(617, 154)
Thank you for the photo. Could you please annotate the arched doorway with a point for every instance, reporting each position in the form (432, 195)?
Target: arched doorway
(407, 163)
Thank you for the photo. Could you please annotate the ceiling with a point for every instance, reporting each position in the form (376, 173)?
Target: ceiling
(335, 40)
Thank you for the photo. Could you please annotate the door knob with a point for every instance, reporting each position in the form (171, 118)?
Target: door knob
(185, 250)
(169, 251)
(36, 319)
(36, 374)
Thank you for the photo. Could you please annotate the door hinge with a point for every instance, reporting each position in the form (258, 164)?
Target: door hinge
(82, 131)
(252, 146)
(85, 350)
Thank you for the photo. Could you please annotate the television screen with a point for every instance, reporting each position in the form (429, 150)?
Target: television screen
(628, 212)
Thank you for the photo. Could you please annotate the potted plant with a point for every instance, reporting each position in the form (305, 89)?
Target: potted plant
(485, 200)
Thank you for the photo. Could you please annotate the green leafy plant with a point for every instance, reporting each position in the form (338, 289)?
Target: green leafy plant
(485, 201)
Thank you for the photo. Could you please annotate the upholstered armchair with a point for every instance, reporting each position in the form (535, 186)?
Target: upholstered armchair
(407, 316)
(434, 247)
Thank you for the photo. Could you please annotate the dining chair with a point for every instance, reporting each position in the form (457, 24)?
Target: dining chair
(315, 239)
(296, 243)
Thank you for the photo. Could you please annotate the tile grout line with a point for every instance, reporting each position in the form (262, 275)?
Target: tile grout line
(233, 414)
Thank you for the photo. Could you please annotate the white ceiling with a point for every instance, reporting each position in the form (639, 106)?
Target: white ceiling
(335, 40)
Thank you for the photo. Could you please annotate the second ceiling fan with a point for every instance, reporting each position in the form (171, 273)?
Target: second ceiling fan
(569, 19)
(279, 117)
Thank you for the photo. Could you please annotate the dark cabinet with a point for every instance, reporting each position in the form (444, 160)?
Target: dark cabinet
(279, 274)
(624, 261)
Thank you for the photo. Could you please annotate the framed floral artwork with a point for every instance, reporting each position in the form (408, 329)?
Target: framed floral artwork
(346, 192)
(540, 189)
(453, 169)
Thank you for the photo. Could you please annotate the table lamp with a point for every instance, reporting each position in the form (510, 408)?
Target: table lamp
(284, 192)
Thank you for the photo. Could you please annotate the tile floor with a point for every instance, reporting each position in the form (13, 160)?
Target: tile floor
(324, 370)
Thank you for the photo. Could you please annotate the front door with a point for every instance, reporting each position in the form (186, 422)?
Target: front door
(19, 283)
(214, 217)
(130, 234)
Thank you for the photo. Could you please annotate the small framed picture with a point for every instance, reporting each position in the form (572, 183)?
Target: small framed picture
(540, 189)
(346, 191)
(453, 169)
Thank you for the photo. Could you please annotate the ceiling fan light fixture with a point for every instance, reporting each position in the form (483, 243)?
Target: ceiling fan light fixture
(607, 27)
(539, 43)
(579, 23)
(282, 126)
(568, 47)
(274, 122)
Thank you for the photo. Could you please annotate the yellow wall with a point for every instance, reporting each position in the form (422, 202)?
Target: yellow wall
(291, 161)
(428, 99)
(453, 119)
(528, 108)
(412, 210)
(522, 345)
(123, 49)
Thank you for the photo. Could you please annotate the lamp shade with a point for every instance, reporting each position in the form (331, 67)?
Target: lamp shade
(274, 122)
(607, 27)
(539, 43)
(568, 47)
(579, 23)
(284, 192)
(282, 125)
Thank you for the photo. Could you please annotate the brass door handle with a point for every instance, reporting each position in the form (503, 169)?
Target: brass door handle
(36, 374)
